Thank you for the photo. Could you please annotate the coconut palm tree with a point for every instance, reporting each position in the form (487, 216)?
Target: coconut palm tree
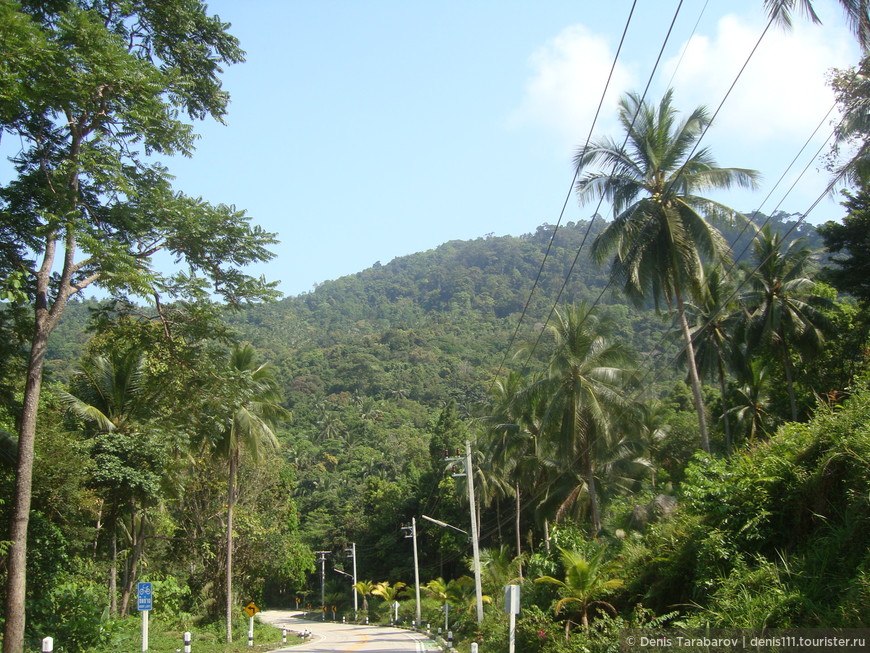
(715, 315)
(251, 412)
(785, 310)
(513, 444)
(108, 391)
(751, 401)
(586, 581)
(660, 234)
(499, 568)
(855, 10)
(585, 390)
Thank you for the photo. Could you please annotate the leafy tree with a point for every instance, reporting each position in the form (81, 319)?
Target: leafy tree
(251, 411)
(96, 92)
(850, 244)
(659, 234)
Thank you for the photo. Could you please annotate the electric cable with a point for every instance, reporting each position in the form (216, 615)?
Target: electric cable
(567, 197)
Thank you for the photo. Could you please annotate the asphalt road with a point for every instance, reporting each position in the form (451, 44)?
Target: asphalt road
(342, 638)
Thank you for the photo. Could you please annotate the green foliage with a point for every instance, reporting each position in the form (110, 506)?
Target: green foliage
(849, 244)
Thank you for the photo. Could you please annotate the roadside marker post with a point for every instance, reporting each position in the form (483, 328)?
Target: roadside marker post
(48, 645)
(512, 608)
(144, 602)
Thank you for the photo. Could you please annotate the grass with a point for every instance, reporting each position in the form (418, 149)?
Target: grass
(126, 637)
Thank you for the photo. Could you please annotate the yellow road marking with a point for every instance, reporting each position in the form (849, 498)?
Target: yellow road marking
(359, 645)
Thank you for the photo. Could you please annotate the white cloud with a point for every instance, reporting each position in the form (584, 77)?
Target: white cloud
(569, 74)
(782, 94)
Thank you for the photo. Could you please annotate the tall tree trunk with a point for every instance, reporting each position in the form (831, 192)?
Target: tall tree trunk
(694, 379)
(16, 584)
(789, 379)
(519, 532)
(589, 477)
(137, 547)
(113, 576)
(546, 535)
(723, 391)
(46, 318)
(231, 499)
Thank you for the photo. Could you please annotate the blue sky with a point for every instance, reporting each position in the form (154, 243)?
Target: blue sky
(363, 131)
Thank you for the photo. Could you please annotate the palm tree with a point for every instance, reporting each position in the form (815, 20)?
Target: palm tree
(108, 391)
(652, 430)
(499, 568)
(586, 579)
(659, 234)
(390, 593)
(365, 588)
(785, 310)
(250, 415)
(751, 400)
(585, 392)
(513, 450)
(856, 15)
(715, 318)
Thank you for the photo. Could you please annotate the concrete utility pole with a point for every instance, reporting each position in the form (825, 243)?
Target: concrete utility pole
(322, 561)
(474, 542)
(413, 535)
(475, 546)
(351, 553)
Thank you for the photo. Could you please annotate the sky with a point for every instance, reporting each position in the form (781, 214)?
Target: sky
(363, 131)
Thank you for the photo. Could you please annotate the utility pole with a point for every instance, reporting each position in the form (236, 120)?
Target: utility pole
(413, 535)
(475, 546)
(351, 553)
(322, 561)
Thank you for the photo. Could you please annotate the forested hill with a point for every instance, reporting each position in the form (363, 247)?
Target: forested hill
(460, 303)
(457, 305)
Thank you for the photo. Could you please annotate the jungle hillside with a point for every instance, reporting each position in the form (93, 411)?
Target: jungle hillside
(654, 417)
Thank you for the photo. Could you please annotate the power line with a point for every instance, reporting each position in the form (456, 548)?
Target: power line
(567, 197)
(601, 200)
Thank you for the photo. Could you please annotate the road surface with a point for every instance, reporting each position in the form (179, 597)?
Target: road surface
(342, 638)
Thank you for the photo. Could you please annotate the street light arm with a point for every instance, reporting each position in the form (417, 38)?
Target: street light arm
(444, 524)
(343, 573)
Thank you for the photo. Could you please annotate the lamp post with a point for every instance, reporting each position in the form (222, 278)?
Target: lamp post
(351, 553)
(352, 587)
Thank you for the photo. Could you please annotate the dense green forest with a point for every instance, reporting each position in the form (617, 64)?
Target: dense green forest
(665, 409)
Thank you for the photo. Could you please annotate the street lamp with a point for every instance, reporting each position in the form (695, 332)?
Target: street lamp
(352, 587)
(444, 524)
(351, 553)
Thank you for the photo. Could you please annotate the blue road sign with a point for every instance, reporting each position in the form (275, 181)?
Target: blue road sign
(144, 596)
